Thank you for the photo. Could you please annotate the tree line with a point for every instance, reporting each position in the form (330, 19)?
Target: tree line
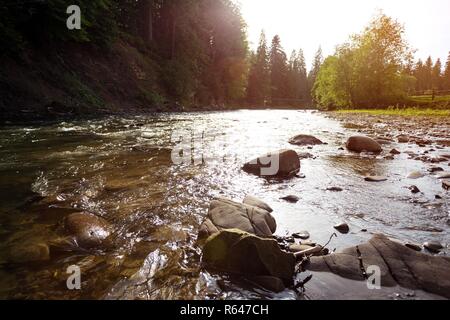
(202, 56)
(375, 69)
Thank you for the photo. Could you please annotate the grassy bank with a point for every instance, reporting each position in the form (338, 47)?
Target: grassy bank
(408, 112)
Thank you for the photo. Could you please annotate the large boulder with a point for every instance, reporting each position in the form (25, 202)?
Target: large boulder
(227, 214)
(399, 265)
(305, 140)
(236, 252)
(361, 143)
(279, 164)
(88, 230)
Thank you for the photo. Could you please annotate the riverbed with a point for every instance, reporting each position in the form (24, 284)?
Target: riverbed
(126, 171)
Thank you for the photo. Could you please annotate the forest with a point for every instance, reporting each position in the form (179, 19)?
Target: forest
(190, 53)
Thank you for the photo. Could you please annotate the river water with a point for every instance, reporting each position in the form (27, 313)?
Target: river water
(125, 170)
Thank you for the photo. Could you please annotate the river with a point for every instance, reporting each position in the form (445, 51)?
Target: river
(123, 170)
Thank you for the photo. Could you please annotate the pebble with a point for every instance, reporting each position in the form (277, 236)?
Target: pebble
(446, 184)
(335, 189)
(302, 235)
(433, 246)
(342, 228)
(291, 199)
(414, 189)
(375, 178)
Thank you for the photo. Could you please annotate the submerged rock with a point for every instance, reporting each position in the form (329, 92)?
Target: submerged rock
(446, 184)
(395, 152)
(240, 253)
(361, 143)
(305, 140)
(227, 214)
(415, 175)
(88, 230)
(399, 265)
(279, 164)
(27, 252)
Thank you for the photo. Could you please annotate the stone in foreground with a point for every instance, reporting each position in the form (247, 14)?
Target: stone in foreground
(305, 140)
(226, 214)
(361, 143)
(240, 253)
(279, 164)
(399, 265)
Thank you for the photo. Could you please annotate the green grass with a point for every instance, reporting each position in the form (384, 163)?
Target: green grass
(409, 112)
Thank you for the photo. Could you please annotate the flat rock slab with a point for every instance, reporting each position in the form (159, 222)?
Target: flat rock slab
(399, 265)
(227, 214)
(240, 253)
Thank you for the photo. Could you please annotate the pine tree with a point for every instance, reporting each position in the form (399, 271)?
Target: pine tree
(318, 60)
(278, 70)
(446, 76)
(437, 75)
(258, 90)
(428, 73)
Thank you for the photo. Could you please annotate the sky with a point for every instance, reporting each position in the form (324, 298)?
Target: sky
(327, 23)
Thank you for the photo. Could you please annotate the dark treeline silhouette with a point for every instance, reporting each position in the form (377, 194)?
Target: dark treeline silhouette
(276, 80)
(430, 76)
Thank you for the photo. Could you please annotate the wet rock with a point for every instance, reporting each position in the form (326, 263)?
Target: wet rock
(395, 152)
(291, 199)
(280, 164)
(403, 138)
(414, 189)
(415, 175)
(375, 178)
(438, 196)
(334, 189)
(383, 141)
(302, 235)
(342, 228)
(305, 140)
(444, 175)
(389, 157)
(305, 155)
(255, 202)
(433, 246)
(446, 184)
(88, 230)
(361, 143)
(426, 272)
(240, 253)
(435, 169)
(413, 246)
(227, 214)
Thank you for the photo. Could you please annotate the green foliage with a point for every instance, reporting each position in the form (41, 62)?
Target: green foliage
(367, 72)
(409, 112)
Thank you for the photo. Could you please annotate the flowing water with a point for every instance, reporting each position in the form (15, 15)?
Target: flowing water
(125, 170)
